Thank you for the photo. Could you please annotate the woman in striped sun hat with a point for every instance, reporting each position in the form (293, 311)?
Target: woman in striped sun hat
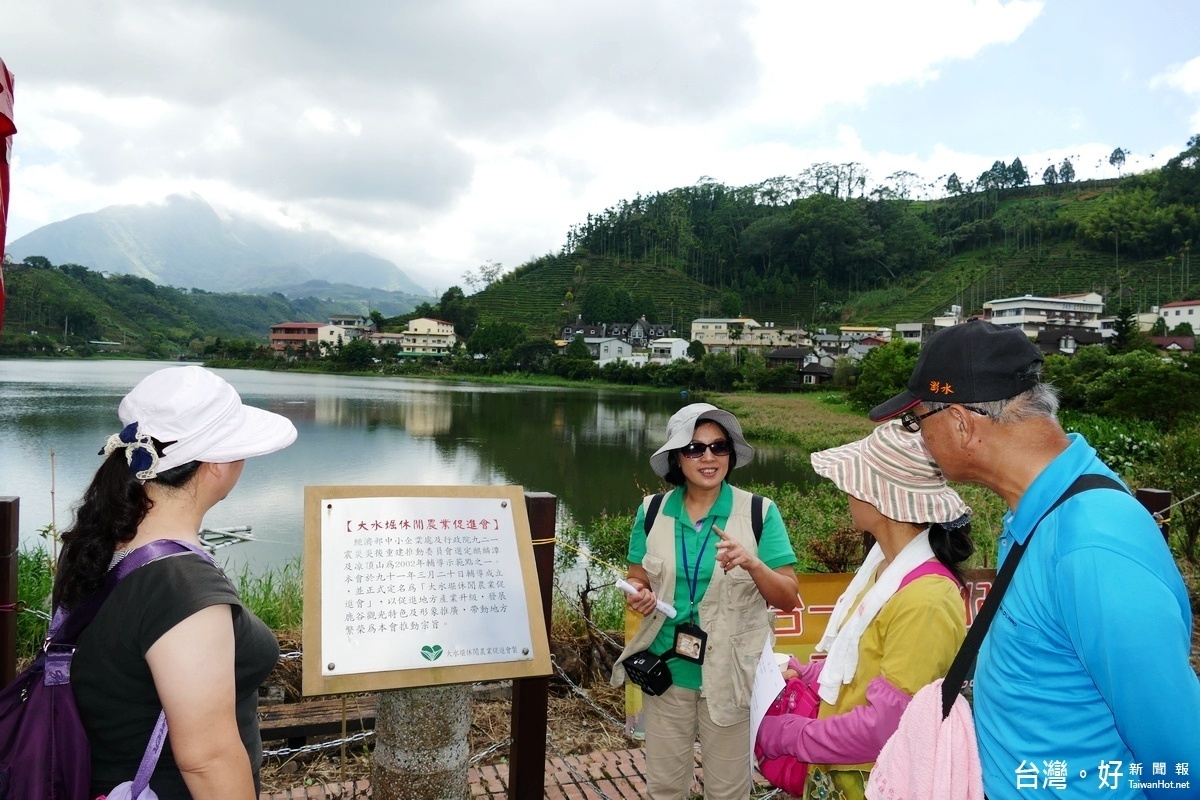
(897, 626)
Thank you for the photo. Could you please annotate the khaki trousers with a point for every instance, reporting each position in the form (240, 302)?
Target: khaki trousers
(673, 721)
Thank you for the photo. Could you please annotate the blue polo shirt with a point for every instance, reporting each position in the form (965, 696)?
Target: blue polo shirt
(774, 549)
(1083, 687)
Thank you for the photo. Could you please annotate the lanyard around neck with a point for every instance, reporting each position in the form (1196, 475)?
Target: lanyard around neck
(693, 580)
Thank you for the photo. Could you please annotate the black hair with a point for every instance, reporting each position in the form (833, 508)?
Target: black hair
(674, 474)
(952, 546)
(113, 506)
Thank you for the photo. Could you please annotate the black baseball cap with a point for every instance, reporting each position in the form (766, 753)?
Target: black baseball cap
(973, 362)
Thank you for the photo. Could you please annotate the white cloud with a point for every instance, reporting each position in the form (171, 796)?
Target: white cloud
(1186, 79)
(441, 135)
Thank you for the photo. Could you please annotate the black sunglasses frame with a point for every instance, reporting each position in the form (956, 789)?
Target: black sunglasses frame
(696, 449)
(911, 420)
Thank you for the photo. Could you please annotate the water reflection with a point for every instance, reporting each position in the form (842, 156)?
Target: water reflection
(590, 448)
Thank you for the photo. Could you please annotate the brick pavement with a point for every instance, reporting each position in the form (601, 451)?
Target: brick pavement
(617, 775)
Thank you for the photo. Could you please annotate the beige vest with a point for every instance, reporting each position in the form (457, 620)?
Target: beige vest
(732, 612)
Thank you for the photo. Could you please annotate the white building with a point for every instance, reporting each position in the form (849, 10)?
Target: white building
(914, 332)
(1184, 311)
(725, 333)
(1031, 314)
(612, 349)
(666, 350)
(428, 336)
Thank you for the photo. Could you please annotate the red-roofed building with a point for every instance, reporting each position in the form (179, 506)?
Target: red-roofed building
(1175, 344)
(303, 336)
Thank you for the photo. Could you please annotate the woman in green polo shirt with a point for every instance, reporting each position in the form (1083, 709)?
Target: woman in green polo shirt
(721, 558)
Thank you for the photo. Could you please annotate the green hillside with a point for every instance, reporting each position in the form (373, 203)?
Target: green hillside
(49, 307)
(815, 249)
(807, 250)
(545, 294)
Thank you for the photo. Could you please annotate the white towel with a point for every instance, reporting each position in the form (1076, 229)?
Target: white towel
(844, 630)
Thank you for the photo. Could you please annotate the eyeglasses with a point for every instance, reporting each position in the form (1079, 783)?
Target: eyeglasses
(720, 448)
(911, 420)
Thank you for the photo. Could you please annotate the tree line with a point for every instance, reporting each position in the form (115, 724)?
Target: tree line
(824, 234)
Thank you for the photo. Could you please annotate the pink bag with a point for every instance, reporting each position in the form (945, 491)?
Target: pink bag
(787, 772)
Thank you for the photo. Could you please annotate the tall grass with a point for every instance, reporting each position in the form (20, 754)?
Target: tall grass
(35, 581)
(275, 596)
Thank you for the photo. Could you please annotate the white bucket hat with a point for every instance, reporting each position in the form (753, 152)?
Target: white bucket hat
(683, 424)
(892, 470)
(198, 416)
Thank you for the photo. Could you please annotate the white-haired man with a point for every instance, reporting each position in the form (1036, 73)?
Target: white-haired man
(1082, 686)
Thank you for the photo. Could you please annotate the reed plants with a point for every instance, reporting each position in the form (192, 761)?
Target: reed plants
(35, 582)
(276, 596)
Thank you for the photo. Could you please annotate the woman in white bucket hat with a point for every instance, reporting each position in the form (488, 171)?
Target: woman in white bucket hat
(708, 553)
(899, 624)
(173, 635)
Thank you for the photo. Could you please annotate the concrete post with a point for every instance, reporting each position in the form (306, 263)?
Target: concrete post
(421, 749)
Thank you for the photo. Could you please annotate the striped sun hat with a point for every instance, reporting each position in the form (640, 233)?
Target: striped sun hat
(892, 470)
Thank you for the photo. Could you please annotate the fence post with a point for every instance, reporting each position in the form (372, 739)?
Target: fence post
(10, 514)
(1156, 501)
(530, 696)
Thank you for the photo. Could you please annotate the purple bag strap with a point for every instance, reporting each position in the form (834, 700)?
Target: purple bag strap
(150, 757)
(140, 557)
(154, 551)
(66, 626)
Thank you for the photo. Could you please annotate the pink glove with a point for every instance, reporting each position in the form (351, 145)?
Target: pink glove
(855, 737)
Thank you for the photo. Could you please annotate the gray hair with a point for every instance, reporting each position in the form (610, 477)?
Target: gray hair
(1040, 402)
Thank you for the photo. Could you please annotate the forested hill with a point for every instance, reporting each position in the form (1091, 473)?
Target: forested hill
(814, 249)
(51, 306)
(820, 248)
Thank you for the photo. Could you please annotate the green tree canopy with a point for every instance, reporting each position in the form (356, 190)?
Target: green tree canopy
(578, 348)
(1066, 171)
(1127, 336)
(885, 371)
(493, 339)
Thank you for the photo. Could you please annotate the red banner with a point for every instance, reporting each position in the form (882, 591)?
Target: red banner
(7, 128)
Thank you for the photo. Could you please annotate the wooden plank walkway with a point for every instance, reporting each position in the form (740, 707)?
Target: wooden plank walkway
(617, 775)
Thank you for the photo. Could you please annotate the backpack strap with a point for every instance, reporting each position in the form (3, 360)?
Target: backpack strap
(934, 567)
(756, 516)
(965, 659)
(652, 513)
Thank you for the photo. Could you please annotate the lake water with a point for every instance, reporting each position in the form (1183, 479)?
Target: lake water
(590, 448)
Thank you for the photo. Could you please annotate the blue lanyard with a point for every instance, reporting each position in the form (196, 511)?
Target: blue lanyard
(694, 580)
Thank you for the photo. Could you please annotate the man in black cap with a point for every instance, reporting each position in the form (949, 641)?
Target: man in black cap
(1083, 682)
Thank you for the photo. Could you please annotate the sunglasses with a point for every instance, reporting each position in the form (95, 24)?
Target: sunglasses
(911, 420)
(721, 447)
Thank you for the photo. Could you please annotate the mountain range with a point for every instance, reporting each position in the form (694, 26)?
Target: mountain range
(184, 242)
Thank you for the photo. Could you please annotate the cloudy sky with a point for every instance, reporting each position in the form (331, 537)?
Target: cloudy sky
(445, 133)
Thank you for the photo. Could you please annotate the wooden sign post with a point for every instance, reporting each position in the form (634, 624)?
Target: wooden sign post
(423, 589)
